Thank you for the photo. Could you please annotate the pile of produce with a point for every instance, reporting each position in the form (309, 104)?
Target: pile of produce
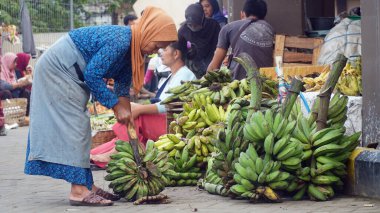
(315, 83)
(256, 177)
(292, 154)
(172, 143)
(135, 182)
(219, 87)
(349, 83)
(187, 174)
(102, 122)
(212, 183)
(255, 148)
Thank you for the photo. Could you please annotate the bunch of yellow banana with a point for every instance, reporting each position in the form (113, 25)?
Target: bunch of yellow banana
(197, 115)
(201, 145)
(350, 81)
(256, 177)
(186, 172)
(133, 182)
(315, 84)
(171, 143)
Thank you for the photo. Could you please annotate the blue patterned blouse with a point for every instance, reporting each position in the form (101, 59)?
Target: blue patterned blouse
(106, 50)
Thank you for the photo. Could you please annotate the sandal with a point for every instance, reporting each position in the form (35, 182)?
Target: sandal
(107, 195)
(91, 199)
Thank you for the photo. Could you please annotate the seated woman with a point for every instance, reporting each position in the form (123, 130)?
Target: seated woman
(8, 75)
(150, 120)
(22, 62)
(7, 88)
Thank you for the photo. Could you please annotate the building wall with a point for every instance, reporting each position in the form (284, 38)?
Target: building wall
(371, 70)
(352, 3)
(286, 17)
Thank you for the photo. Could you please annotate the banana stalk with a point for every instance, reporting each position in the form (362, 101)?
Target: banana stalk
(253, 75)
(324, 102)
(291, 97)
(331, 81)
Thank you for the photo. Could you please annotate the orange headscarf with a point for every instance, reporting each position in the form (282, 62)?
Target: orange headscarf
(154, 25)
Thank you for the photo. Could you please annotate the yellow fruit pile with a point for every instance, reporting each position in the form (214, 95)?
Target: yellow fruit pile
(350, 81)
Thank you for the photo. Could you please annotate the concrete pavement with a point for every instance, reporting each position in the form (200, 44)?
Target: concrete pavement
(22, 193)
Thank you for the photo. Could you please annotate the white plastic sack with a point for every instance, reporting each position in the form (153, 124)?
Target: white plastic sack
(344, 38)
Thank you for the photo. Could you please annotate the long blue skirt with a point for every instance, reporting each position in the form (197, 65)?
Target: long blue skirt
(71, 174)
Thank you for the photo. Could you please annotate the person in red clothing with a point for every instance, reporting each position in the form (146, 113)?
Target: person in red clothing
(22, 62)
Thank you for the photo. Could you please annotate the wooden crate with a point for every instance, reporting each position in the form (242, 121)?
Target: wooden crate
(297, 51)
(270, 72)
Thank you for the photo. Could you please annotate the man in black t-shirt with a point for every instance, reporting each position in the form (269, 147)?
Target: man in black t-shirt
(256, 39)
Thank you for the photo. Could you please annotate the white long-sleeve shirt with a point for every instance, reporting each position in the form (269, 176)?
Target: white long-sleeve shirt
(183, 74)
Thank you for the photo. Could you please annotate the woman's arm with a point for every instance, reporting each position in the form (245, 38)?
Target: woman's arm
(7, 86)
(140, 109)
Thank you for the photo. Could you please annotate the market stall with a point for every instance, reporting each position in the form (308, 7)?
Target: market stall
(244, 143)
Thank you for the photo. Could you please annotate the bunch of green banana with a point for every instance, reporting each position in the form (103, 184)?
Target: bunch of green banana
(186, 171)
(186, 91)
(212, 183)
(180, 93)
(133, 182)
(170, 143)
(223, 75)
(223, 93)
(211, 176)
(350, 81)
(256, 177)
(337, 113)
(324, 155)
(219, 87)
(229, 144)
(271, 133)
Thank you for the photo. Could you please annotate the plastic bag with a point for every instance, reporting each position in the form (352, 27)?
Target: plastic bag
(344, 38)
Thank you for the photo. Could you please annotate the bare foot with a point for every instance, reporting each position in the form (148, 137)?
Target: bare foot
(104, 158)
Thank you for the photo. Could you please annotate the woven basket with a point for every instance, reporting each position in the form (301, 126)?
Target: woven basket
(14, 110)
(102, 137)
